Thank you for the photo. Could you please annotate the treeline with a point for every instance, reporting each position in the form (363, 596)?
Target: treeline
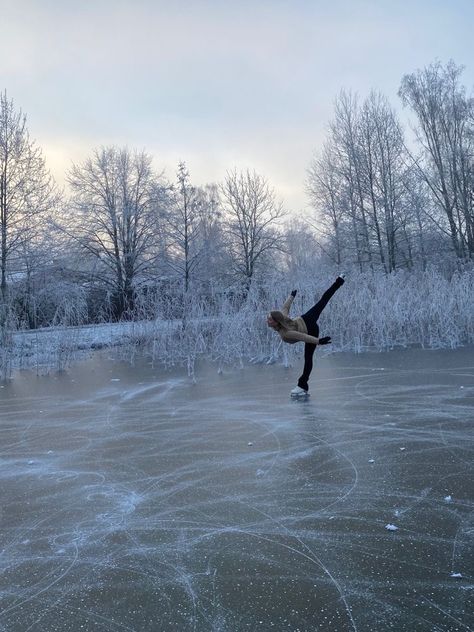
(122, 238)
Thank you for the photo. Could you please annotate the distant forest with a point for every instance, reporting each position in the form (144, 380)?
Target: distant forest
(122, 242)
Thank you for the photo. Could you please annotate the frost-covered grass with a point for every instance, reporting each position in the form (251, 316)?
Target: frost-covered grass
(370, 312)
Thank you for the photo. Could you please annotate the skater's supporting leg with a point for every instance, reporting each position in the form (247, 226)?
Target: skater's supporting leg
(308, 366)
(313, 313)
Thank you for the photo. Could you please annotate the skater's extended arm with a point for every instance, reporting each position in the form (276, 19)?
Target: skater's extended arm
(297, 336)
(287, 304)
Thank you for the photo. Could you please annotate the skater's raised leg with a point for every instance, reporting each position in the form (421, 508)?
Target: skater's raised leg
(314, 313)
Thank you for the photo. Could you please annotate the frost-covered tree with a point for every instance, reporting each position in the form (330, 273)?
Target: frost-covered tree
(27, 192)
(366, 196)
(327, 192)
(212, 260)
(445, 132)
(383, 169)
(252, 222)
(302, 249)
(344, 134)
(185, 227)
(114, 212)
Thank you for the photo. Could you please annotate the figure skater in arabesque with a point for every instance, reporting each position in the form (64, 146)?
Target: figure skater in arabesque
(305, 329)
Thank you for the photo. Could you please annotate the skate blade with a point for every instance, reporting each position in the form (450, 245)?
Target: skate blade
(295, 396)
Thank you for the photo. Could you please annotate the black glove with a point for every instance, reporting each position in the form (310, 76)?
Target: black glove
(325, 341)
(293, 294)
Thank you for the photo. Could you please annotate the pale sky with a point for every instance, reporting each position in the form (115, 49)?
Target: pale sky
(217, 84)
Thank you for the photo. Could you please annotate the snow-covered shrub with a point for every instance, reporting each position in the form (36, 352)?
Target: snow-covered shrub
(372, 311)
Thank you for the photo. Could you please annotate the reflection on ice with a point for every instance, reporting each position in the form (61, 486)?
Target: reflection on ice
(135, 500)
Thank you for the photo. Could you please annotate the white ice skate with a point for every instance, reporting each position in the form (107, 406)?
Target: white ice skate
(299, 393)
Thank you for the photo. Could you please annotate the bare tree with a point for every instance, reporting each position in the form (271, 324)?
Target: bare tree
(328, 195)
(253, 215)
(446, 135)
(115, 201)
(302, 250)
(345, 133)
(383, 159)
(211, 264)
(359, 187)
(185, 227)
(27, 191)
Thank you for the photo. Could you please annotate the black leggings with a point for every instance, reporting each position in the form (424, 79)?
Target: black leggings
(311, 320)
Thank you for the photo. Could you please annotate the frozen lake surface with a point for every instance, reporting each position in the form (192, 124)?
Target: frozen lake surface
(133, 500)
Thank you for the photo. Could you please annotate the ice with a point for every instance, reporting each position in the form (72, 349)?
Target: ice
(137, 504)
(391, 527)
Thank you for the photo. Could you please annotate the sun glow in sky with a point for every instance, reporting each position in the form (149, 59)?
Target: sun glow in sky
(216, 84)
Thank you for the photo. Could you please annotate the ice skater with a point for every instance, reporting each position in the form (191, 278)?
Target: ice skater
(305, 329)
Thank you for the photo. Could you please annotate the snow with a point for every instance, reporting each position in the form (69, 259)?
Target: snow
(137, 504)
